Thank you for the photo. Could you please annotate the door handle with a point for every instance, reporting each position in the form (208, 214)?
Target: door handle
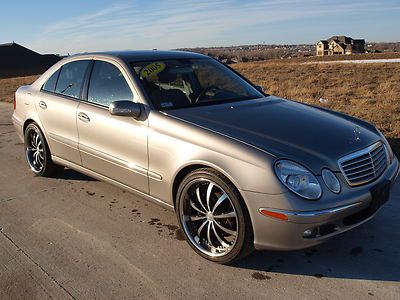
(42, 105)
(83, 117)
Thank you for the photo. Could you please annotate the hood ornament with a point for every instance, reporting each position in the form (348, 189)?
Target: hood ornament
(357, 133)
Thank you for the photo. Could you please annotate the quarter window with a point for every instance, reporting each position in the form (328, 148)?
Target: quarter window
(50, 84)
(107, 84)
(71, 78)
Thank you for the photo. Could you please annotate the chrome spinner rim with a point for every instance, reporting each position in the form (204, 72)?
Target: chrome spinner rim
(35, 151)
(209, 217)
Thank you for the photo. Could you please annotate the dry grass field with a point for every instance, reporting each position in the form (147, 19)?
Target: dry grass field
(367, 91)
(8, 86)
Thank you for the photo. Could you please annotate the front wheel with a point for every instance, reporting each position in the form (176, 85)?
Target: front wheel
(213, 217)
(38, 153)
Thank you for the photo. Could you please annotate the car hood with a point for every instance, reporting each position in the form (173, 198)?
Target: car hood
(314, 137)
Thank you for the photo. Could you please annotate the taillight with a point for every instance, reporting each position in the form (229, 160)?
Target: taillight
(15, 102)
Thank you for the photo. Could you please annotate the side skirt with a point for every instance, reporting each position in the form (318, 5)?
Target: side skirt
(93, 174)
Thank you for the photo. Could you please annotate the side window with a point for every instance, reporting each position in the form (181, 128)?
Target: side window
(50, 84)
(71, 78)
(107, 84)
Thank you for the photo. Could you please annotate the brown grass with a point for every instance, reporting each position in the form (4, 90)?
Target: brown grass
(366, 91)
(8, 86)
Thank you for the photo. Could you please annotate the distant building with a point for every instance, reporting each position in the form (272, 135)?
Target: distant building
(16, 60)
(340, 45)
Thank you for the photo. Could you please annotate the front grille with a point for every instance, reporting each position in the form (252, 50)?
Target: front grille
(364, 165)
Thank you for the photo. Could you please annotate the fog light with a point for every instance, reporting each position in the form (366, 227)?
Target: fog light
(310, 233)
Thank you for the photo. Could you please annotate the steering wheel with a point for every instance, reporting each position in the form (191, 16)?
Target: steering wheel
(204, 91)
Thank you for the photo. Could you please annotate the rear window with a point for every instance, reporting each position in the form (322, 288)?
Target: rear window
(50, 84)
(71, 78)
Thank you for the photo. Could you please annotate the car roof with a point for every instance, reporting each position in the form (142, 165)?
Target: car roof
(145, 55)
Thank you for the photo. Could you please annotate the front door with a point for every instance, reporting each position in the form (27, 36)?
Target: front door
(113, 146)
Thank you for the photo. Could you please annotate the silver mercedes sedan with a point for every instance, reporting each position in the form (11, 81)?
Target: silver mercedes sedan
(242, 169)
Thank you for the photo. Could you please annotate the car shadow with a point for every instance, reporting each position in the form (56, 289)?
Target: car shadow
(69, 174)
(369, 252)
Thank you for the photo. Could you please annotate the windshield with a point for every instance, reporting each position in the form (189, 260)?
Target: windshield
(176, 83)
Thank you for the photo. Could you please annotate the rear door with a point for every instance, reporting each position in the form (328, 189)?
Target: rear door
(57, 106)
(113, 146)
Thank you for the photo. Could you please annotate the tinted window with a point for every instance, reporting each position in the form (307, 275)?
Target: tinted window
(50, 84)
(71, 78)
(107, 84)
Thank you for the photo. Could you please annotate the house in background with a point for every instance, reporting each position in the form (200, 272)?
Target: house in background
(16, 60)
(340, 45)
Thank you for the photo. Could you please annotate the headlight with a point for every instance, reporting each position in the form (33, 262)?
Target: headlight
(298, 179)
(331, 181)
(387, 146)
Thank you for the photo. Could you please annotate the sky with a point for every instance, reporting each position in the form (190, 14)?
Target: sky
(74, 26)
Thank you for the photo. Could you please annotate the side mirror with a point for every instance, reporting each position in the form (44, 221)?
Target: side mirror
(125, 108)
(260, 88)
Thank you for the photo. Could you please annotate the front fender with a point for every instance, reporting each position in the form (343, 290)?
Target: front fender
(174, 145)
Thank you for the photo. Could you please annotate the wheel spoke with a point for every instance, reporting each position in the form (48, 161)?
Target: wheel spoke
(219, 201)
(208, 235)
(225, 216)
(199, 198)
(196, 218)
(201, 228)
(220, 240)
(35, 156)
(196, 208)
(33, 140)
(37, 139)
(209, 189)
(231, 232)
(40, 164)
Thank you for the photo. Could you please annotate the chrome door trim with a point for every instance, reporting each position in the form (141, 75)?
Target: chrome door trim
(114, 160)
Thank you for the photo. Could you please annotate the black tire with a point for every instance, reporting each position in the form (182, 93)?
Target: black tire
(242, 244)
(37, 152)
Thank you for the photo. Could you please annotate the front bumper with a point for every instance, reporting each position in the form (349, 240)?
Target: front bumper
(318, 217)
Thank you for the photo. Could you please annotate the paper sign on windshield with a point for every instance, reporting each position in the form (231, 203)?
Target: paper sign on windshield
(152, 69)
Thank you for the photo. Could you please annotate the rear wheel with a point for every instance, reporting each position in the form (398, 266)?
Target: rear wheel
(213, 216)
(38, 153)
